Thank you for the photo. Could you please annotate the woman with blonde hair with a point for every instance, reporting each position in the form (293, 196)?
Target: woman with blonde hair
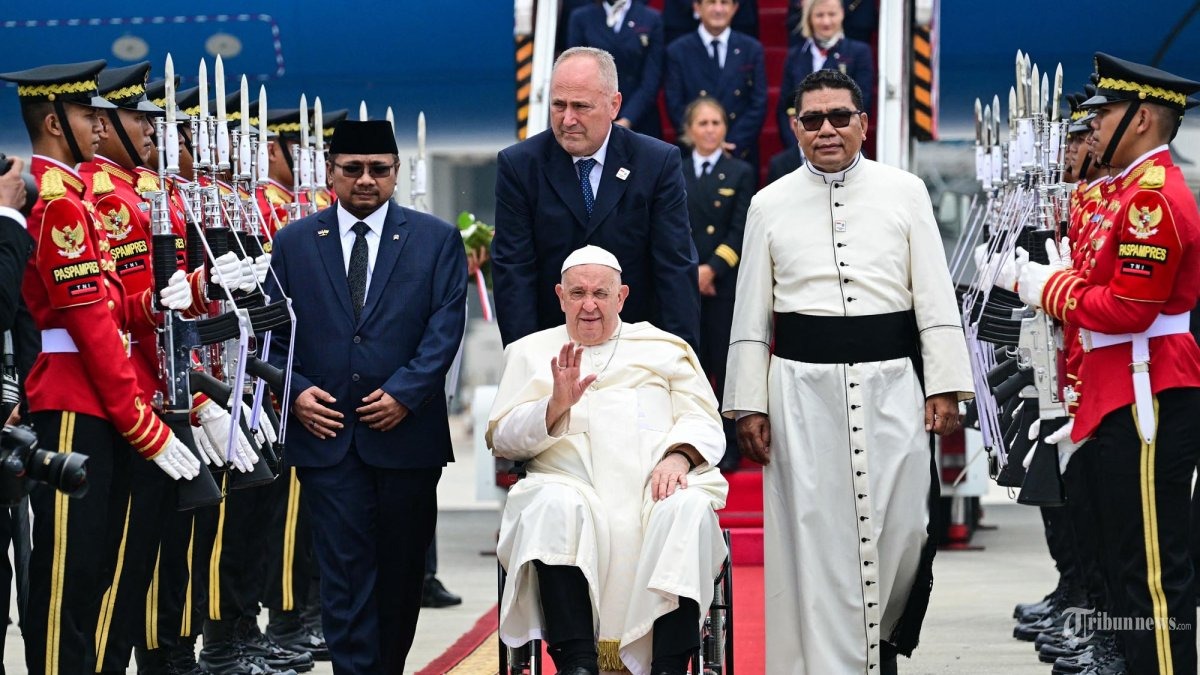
(719, 187)
(825, 47)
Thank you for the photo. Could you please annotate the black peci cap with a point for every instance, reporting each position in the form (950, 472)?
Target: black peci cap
(64, 82)
(374, 137)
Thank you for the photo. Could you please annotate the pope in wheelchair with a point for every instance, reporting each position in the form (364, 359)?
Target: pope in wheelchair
(611, 541)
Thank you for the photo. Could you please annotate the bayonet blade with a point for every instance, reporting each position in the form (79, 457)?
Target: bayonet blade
(203, 91)
(983, 131)
(391, 118)
(362, 111)
(169, 89)
(319, 125)
(995, 119)
(1035, 95)
(1055, 111)
(263, 145)
(1017, 106)
(303, 121)
(421, 135)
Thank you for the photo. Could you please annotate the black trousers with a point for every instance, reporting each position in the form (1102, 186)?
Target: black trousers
(567, 610)
(288, 564)
(371, 529)
(716, 323)
(75, 544)
(1144, 498)
(1060, 539)
(236, 564)
(1082, 506)
(142, 579)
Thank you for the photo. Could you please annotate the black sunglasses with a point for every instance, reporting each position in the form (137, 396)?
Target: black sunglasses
(355, 169)
(838, 118)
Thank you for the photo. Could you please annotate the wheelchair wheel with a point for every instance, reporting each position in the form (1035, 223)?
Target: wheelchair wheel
(716, 636)
(523, 660)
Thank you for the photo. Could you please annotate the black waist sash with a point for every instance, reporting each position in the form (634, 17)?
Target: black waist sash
(847, 339)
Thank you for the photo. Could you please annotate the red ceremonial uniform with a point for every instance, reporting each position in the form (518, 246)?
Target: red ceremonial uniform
(1141, 259)
(1085, 200)
(147, 181)
(71, 284)
(274, 199)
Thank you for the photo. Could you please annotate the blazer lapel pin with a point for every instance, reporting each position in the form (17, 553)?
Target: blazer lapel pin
(322, 233)
(395, 237)
(622, 173)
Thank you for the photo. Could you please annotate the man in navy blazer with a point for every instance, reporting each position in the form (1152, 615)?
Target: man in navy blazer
(737, 77)
(379, 295)
(633, 34)
(630, 201)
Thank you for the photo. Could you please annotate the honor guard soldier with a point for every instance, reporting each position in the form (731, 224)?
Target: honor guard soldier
(284, 126)
(1131, 298)
(83, 390)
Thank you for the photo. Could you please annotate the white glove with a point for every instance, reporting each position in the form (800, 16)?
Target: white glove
(227, 271)
(1066, 447)
(207, 452)
(1060, 254)
(261, 264)
(178, 293)
(216, 424)
(1010, 269)
(249, 280)
(177, 461)
(1031, 281)
(265, 433)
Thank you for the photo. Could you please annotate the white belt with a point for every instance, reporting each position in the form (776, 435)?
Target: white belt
(1143, 395)
(59, 341)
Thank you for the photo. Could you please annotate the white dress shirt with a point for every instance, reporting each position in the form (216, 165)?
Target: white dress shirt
(722, 49)
(374, 233)
(598, 167)
(698, 161)
(615, 11)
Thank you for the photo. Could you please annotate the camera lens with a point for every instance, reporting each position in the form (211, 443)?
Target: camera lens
(63, 471)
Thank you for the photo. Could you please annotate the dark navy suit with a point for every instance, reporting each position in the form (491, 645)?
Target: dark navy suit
(679, 17)
(852, 57)
(372, 495)
(641, 219)
(638, 50)
(717, 205)
(740, 86)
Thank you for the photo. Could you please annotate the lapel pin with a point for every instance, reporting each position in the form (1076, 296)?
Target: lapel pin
(395, 237)
(720, 176)
(622, 173)
(322, 233)
(737, 50)
(630, 24)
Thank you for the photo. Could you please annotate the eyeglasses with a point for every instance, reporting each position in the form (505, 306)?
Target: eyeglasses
(355, 169)
(840, 119)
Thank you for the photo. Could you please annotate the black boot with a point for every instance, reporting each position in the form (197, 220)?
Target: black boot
(151, 661)
(181, 657)
(253, 643)
(289, 630)
(223, 654)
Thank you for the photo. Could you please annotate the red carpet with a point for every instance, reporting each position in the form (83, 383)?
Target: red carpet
(749, 624)
(483, 631)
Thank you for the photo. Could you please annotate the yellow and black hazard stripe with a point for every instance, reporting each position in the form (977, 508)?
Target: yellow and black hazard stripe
(108, 604)
(1154, 585)
(58, 566)
(289, 541)
(923, 128)
(524, 59)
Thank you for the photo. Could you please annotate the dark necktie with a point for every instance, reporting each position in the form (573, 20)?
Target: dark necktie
(585, 182)
(705, 168)
(716, 53)
(357, 276)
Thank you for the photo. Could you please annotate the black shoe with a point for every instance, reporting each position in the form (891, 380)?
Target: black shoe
(436, 595)
(253, 643)
(1113, 666)
(151, 661)
(1101, 649)
(229, 661)
(1041, 606)
(289, 630)
(1052, 652)
(181, 658)
(729, 462)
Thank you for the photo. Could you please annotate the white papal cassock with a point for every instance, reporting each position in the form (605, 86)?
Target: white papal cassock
(586, 501)
(845, 494)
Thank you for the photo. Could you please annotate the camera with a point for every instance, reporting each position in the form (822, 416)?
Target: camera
(21, 460)
(31, 189)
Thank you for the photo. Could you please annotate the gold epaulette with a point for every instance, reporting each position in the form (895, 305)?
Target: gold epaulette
(147, 183)
(102, 183)
(52, 185)
(1153, 178)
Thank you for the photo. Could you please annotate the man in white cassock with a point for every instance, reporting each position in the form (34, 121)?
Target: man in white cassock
(611, 540)
(843, 271)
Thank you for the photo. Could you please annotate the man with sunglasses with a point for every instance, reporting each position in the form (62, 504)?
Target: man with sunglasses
(843, 271)
(379, 295)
